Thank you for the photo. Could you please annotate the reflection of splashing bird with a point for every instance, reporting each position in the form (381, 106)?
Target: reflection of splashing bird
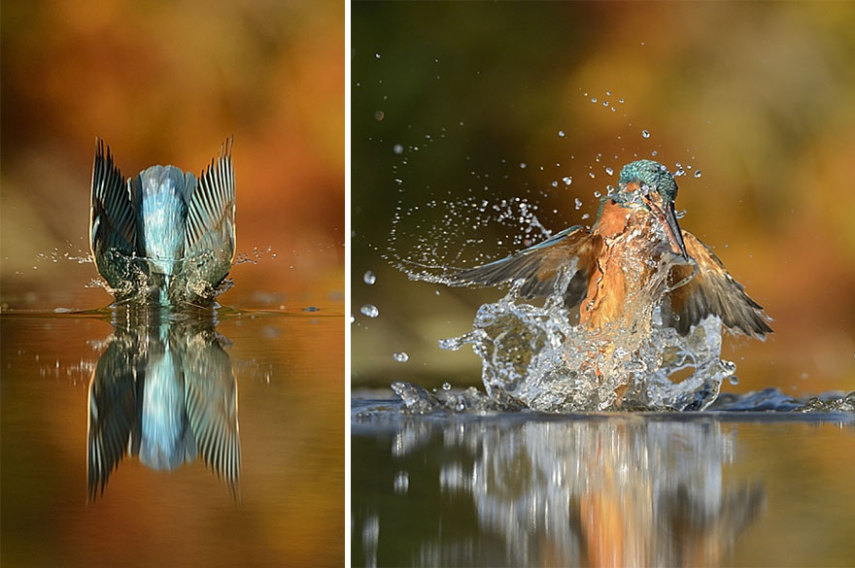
(164, 235)
(539, 491)
(636, 233)
(163, 391)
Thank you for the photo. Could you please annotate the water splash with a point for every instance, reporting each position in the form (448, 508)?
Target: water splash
(539, 356)
(438, 234)
(418, 400)
(254, 256)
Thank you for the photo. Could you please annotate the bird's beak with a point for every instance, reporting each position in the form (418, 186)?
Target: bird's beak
(668, 217)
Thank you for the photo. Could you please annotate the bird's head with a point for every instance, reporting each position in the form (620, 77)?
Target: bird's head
(651, 184)
(648, 177)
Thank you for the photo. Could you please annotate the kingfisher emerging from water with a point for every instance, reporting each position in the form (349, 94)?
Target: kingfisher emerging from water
(163, 236)
(633, 259)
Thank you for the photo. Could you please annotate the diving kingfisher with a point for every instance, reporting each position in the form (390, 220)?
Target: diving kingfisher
(634, 258)
(163, 236)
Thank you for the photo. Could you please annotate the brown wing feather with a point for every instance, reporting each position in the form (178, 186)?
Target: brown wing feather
(539, 266)
(709, 289)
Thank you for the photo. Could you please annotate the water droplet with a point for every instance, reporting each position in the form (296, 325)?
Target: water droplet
(401, 357)
(620, 101)
(593, 99)
(592, 175)
(698, 173)
(585, 216)
(734, 380)
(567, 180)
(610, 171)
(522, 165)
(402, 482)
(398, 149)
(446, 386)
(369, 277)
(561, 133)
(370, 310)
(654, 153)
(645, 134)
(578, 203)
(608, 93)
(597, 194)
(377, 55)
(378, 115)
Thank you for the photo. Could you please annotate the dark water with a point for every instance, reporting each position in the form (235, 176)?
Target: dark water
(648, 489)
(264, 386)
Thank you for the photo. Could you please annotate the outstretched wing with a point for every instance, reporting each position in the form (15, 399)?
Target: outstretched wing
(709, 289)
(111, 219)
(540, 265)
(210, 230)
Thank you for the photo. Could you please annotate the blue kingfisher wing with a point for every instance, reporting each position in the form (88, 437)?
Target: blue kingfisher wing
(210, 230)
(706, 288)
(112, 224)
(540, 265)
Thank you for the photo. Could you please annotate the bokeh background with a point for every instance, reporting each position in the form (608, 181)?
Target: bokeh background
(451, 100)
(166, 83)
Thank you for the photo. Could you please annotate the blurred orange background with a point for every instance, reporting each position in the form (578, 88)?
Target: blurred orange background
(759, 97)
(166, 83)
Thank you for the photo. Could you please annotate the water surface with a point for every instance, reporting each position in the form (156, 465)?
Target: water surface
(649, 489)
(277, 374)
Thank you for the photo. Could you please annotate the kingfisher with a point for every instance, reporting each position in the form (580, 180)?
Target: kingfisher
(163, 236)
(634, 259)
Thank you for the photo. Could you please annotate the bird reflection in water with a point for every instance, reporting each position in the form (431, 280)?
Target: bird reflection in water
(164, 391)
(616, 491)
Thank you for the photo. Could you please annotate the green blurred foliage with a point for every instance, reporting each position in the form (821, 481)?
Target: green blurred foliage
(167, 83)
(760, 97)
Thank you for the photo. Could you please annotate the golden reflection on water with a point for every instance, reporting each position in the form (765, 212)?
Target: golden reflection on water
(287, 368)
